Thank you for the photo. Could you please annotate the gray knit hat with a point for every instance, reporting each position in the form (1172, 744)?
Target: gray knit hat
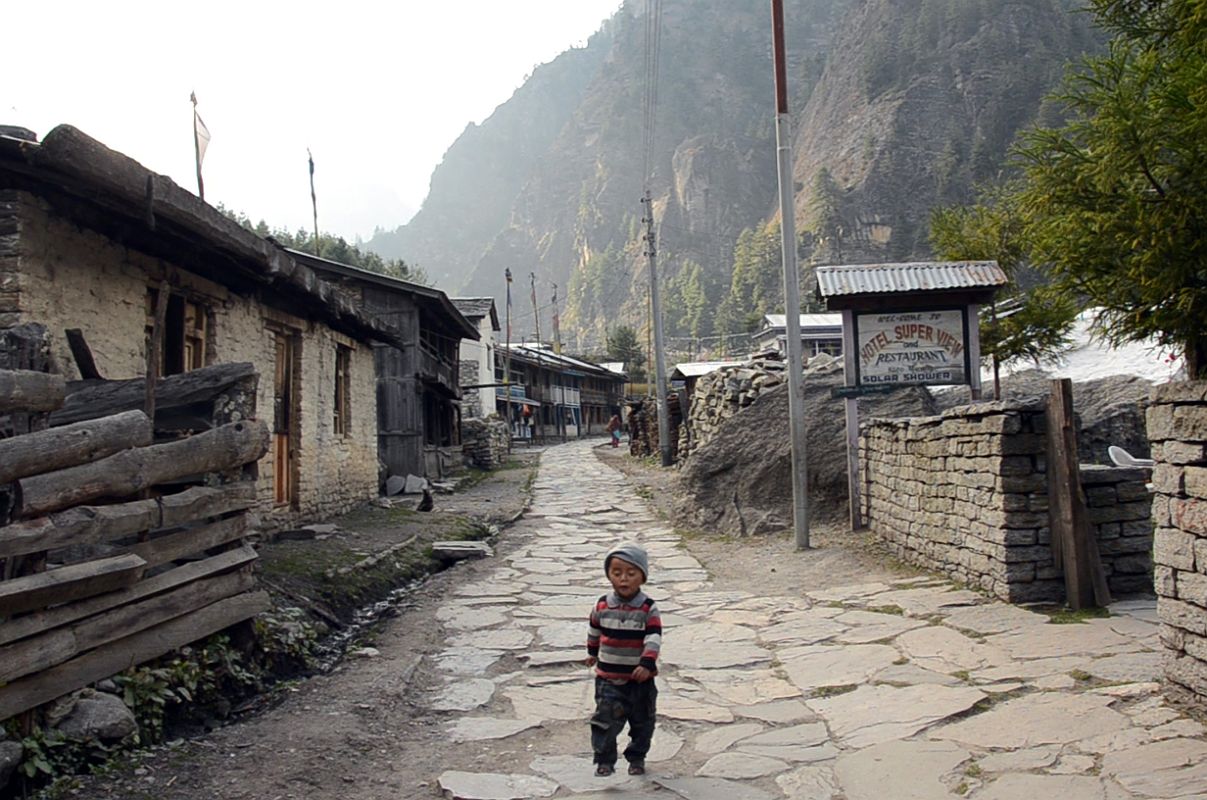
(632, 553)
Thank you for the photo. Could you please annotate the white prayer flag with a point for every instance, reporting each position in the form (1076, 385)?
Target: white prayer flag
(203, 137)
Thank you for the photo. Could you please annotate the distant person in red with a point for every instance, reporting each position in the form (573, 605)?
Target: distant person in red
(623, 641)
(614, 426)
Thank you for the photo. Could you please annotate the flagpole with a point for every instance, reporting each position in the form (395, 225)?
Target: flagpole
(314, 203)
(197, 148)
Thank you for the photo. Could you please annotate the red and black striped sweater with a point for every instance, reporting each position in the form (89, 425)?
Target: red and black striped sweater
(623, 635)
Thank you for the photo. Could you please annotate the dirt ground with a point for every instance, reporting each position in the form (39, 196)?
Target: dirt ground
(362, 732)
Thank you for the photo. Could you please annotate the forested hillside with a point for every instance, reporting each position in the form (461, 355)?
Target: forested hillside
(899, 106)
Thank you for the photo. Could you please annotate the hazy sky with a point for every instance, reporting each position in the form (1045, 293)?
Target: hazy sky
(377, 90)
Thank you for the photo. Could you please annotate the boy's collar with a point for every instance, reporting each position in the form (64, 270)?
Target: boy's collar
(615, 600)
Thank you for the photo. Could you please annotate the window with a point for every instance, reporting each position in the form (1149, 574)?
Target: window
(341, 421)
(183, 338)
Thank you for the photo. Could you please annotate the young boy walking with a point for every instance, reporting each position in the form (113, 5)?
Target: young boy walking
(623, 641)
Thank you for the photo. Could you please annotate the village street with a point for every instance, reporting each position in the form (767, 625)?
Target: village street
(894, 687)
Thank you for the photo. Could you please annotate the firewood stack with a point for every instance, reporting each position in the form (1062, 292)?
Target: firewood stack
(116, 548)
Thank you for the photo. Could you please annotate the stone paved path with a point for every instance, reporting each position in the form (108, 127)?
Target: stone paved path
(882, 691)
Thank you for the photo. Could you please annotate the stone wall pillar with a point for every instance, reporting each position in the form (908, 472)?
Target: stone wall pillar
(471, 404)
(1177, 429)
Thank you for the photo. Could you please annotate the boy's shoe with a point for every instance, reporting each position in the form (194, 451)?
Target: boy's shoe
(637, 768)
(604, 770)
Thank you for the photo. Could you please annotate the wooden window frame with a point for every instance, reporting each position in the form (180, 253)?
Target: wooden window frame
(341, 417)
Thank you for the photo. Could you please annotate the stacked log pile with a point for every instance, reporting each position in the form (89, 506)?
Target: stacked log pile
(643, 426)
(116, 548)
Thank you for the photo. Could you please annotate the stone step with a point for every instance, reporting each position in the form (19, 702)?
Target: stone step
(456, 551)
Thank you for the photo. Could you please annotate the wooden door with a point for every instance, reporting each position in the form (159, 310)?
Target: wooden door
(284, 454)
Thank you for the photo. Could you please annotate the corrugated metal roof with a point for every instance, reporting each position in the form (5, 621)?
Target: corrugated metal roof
(695, 369)
(922, 276)
(806, 320)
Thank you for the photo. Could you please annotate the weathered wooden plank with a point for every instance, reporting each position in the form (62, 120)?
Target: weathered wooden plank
(82, 354)
(191, 541)
(131, 471)
(92, 399)
(38, 621)
(1074, 546)
(56, 646)
(108, 660)
(71, 445)
(23, 390)
(92, 524)
(69, 583)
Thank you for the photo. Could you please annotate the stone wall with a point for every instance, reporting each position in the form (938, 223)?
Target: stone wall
(1177, 429)
(723, 393)
(471, 400)
(67, 277)
(485, 441)
(965, 493)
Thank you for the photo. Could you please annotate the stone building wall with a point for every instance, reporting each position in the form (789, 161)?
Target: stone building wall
(66, 277)
(1177, 429)
(471, 399)
(485, 441)
(965, 493)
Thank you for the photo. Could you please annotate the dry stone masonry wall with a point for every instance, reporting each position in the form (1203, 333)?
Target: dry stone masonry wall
(965, 493)
(485, 441)
(1177, 429)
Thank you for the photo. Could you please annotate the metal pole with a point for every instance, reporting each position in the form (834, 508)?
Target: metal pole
(507, 366)
(536, 314)
(664, 422)
(557, 331)
(796, 410)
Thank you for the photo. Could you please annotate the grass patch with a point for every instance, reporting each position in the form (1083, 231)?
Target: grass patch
(834, 691)
(1081, 675)
(896, 611)
(1067, 616)
(963, 675)
(973, 771)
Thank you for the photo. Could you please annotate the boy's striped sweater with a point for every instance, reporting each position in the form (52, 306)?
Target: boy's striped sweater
(623, 635)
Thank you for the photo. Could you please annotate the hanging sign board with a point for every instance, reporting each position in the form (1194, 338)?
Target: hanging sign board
(912, 348)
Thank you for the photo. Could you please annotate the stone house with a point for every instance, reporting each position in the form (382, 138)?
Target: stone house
(419, 403)
(478, 357)
(91, 240)
(565, 397)
(819, 333)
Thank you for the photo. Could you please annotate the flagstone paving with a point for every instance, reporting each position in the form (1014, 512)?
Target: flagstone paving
(890, 689)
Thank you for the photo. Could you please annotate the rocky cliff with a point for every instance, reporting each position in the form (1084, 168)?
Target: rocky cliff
(899, 105)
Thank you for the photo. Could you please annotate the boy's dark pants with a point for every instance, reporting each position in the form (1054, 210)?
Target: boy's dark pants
(615, 704)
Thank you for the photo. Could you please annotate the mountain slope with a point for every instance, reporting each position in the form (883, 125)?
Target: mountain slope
(899, 105)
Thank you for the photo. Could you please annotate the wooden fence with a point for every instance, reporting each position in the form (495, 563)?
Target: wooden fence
(120, 540)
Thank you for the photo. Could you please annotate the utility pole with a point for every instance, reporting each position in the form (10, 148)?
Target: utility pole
(507, 363)
(557, 331)
(536, 316)
(664, 422)
(796, 410)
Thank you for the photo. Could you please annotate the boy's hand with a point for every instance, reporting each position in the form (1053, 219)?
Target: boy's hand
(590, 661)
(641, 674)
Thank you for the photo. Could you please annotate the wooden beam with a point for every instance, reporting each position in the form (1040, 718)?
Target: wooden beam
(92, 399)
(23, 390)
(82, 353)
(71, 445)
(69, 583)
(38, 621)
(93, 524)
(131, 471)
(1074, 546)
(108, 660)
(191, 541)
(56, 646)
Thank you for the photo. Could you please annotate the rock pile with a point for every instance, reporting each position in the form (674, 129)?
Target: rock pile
(484, 441)
(737, 481)
(720, 395)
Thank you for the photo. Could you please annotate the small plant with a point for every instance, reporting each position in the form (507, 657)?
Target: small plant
(1067, 616)
(832, 691)
(962, 674)
(973, 771)
(1080, 675)
(894, 610)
